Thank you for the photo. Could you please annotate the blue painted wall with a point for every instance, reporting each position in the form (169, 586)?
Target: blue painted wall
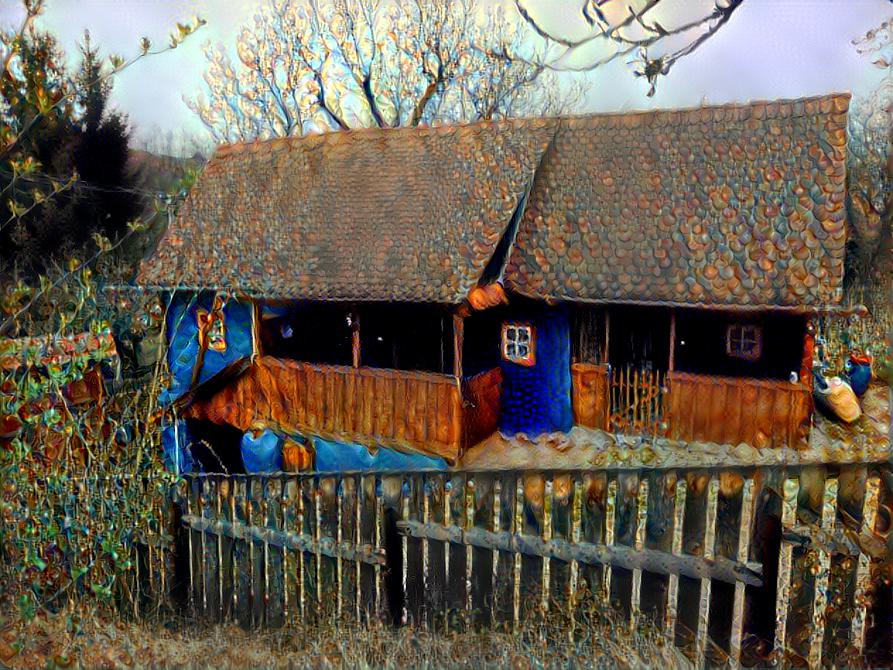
(537, 399)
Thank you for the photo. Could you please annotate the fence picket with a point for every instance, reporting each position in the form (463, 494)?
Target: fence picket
(694, 531)
(661, 487)
(274, 566)
(309, 561)
(368, 521)
(790, 488)
(328, 532)
(532, 523)
(592, 527)
(415, 567)
(625, 534)
(744, 526)
(559, 570)
(435, 513)
(504, 594)
(482, 558)
(458, 556)
(863, 569)
(348, 533)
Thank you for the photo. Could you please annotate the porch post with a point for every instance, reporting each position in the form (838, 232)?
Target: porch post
(458, 338)
(672, 363)
(355, 336)
(808, 351)
(607, 335)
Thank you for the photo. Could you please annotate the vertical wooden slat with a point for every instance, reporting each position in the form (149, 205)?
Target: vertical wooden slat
(790, 488)
(624, 534)
(310, 562)
(481, 558)
(801, 617)
(559, 571)
(851, 486)
(457, 593)
(592, 521)
(709, 542)
(694, 531)
(211, 551)
(328, 532)
(242, 555)
(392, 512)
(863, 568)
(676, 548)
(504, 594)
(610, 513)
(349, 535)
(367, 535)
(225, 549)
(275, 564)
(415, 570)
(436, 566)
(729, 513)
(291, 560)
(532, 522)
(826, 521)
(746, 519)
(639, 542)
(658, 536)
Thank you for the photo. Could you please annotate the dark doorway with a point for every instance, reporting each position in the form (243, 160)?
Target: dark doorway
(639, 338)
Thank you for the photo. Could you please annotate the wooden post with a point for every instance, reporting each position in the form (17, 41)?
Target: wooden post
(607, 337)
(458, 339)
(808, 351)
(672, 363)
(355, 335)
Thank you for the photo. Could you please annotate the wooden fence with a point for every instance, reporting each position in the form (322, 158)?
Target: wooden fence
(732, 565)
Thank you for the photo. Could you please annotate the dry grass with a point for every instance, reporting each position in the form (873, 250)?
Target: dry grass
(73, 640)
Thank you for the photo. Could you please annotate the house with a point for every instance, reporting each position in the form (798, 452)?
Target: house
(418, 289)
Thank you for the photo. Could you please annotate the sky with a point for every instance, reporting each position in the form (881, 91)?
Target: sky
(769, 49)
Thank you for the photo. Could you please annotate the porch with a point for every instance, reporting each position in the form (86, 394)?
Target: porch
(420, 411)
(692, 407)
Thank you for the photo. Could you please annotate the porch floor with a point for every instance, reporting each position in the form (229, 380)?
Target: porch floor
(868, 439)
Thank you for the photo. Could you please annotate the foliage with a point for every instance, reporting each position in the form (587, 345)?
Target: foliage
(306, 66)
(58, 147)
(63, 156)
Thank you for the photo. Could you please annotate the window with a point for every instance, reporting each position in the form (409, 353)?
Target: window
(744, 342)
(518, 344)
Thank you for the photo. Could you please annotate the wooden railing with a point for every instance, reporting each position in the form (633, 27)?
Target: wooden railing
(728, 410)
(422, 411)
(685, 549)
(724, 410)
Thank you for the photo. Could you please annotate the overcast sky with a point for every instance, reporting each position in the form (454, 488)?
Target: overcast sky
(769, 49)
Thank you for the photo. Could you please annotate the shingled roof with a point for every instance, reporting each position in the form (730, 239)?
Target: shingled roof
(404, 214)
(735, 206)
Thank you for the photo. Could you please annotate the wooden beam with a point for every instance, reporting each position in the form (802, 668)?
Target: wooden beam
(630, 558)
(607, 337)
(300, 542)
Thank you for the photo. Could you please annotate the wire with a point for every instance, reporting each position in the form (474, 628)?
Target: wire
(46, 179)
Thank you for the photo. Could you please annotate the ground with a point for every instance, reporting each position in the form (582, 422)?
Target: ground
(868, 439)
(103, 642)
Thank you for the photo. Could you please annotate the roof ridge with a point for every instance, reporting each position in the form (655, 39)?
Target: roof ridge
(765, 109)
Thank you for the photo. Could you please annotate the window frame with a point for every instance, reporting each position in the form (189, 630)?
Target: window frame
(734, 349)
(528, 360)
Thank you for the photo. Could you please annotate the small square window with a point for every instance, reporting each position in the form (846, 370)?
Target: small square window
(744, 341)
(518, 343)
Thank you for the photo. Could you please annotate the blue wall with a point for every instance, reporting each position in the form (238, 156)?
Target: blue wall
(182, 337)
(537, 399)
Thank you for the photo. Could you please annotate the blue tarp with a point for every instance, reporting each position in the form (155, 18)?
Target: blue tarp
(182, 337)
(340, 457)
(262, 453)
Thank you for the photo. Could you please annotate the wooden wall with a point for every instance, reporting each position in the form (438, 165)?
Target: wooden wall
(728, 410)
(422, 411)
(590, 395)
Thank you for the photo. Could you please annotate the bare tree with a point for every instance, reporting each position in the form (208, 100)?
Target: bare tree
(313, 65)
(619, 28)
(870, 178)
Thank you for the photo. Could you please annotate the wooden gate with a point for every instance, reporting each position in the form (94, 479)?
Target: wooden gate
(682, 548)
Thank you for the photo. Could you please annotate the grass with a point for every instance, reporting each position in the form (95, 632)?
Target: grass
(79, 639)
